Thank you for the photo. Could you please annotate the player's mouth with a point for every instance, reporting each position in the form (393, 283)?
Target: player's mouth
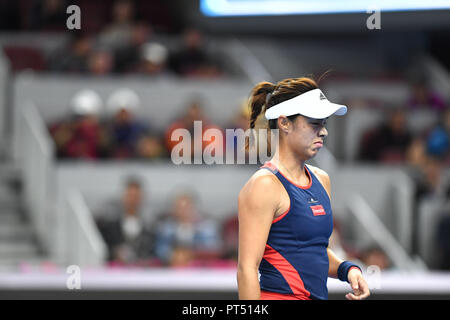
(318, 144)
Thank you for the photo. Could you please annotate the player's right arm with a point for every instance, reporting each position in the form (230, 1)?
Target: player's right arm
(258, 202)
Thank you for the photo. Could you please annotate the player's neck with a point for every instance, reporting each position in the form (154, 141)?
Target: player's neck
(291, 164)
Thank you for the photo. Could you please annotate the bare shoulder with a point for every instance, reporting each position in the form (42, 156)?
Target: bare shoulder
(323, 177)
(262, 188)
(261, 180)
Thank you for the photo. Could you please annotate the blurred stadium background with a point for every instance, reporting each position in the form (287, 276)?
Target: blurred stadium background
(86, 116)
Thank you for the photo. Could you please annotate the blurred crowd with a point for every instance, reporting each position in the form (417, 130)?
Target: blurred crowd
(179, 237)
(126, 49)
(126, 41)
(87, 134)
(423, 151)
(93, 130)
(393, 141)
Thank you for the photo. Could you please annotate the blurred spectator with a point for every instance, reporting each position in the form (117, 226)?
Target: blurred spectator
(239, 121)
(49, 15)
(126, 226)
(150, 147)
(430, 183)
(375, 256)
(192, 59)
(153, 59)
(242, 117)
(127, 55)
(416, 154)
(185, 236)
(80, 136)
(423, 97)
(388, 142)
(100, 62)
(194, 112)
(438, 140)
(120, 29)
(124, 130)
(230, 237)
(74, 57)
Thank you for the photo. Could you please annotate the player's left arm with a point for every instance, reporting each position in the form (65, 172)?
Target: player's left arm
(354, 275)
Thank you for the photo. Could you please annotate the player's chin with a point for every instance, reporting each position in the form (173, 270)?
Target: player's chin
(315, 150)
(311, 154)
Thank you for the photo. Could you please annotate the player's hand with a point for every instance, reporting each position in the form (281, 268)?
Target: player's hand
(359, 285)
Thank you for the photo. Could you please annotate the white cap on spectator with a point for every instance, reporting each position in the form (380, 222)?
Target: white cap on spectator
(86, 102)
(154, 52)
(123, 98)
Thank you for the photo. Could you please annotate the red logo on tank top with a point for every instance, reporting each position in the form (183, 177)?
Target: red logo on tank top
(318, 210)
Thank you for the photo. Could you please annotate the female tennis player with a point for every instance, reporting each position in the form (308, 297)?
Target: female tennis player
(285, 217)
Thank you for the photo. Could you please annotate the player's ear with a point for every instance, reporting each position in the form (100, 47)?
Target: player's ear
(284, 124)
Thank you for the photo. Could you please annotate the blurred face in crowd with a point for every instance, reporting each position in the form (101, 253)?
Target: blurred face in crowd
(193, 39)
(82, 46)
(397, 121)
(153, 68)
(132, 198)
(181, 256)
(416, 153)
(433, 172)
(100, 62)
(52, 6)
(184, 209)
(123, 116)
(123, 11)
(87, 120)
(149, 147)
(420, 93)
(140, 33)
(194, 113)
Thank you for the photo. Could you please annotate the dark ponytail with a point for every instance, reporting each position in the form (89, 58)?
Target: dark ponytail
(258, 100)
(265, 95)
(258, 104)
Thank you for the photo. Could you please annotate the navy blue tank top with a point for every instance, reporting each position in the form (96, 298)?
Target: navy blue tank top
(295, 259)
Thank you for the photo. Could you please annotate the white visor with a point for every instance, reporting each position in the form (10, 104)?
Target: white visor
(312, 104)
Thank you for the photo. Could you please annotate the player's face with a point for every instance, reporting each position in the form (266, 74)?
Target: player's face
(307, 136)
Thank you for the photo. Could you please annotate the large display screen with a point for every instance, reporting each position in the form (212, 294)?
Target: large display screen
(221, 8)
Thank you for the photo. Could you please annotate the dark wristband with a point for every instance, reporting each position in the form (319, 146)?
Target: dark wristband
(344, 268)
